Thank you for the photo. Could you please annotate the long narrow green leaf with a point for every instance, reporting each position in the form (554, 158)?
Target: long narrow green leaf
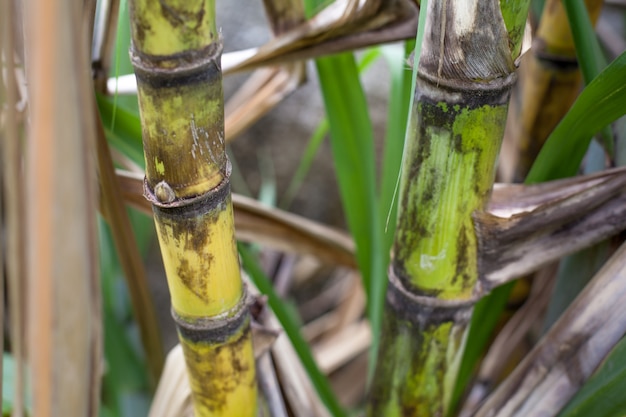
(603, 395)
(591, 60)
(125, 382)
(310, 151)
(125, 133)
(353, 152)
(352, 146)
(316, 139)
(292, 330)
(484, 320)
(397, 117)
(600, 103)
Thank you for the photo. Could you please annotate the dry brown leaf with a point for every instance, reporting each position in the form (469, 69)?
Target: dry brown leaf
(342, 347)
(548, 222)
(300, 395)
(267, 86)
(510, 338)
(262, 92)
(567, 355)
(173, 395)
(342, 25)
(269, 386)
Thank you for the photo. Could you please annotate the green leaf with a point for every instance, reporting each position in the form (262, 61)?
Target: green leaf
(123, 133)
(603, 394)
(292, 329)
(353, 153)
(590, 57)
(600, 103)
(126, 375)
(316, 139)
(591, 60)
(397, 118)
(484, 319)
(310, 151)
(9, 376)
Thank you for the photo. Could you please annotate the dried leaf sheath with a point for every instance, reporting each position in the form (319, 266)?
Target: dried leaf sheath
(63, 295)
(176, 54)
(456, 125)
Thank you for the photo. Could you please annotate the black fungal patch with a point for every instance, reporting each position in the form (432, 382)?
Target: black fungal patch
(141, 28)
(462, 260)
(193, 281)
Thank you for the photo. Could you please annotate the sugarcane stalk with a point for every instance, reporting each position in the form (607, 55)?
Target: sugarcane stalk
(549, 79)
(464, 76)
(63, 316)
(176, 53)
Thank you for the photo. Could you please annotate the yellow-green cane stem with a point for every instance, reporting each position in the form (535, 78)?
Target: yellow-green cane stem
(167, 28)
(208, 300)
(220, 363)
(176, 54)
(465, 73)
(199, 250)
(447, 175)
(182, 122)
(420, 353)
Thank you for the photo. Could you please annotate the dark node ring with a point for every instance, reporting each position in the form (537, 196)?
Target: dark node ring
(185, 68)
(188, 206)
(495, 91)
(215, 329)
(423, 309)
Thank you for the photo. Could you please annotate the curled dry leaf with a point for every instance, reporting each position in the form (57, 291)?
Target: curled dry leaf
(530, 226)
(341, 26)
(262, 92)
(267, 86)
(173, 395)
